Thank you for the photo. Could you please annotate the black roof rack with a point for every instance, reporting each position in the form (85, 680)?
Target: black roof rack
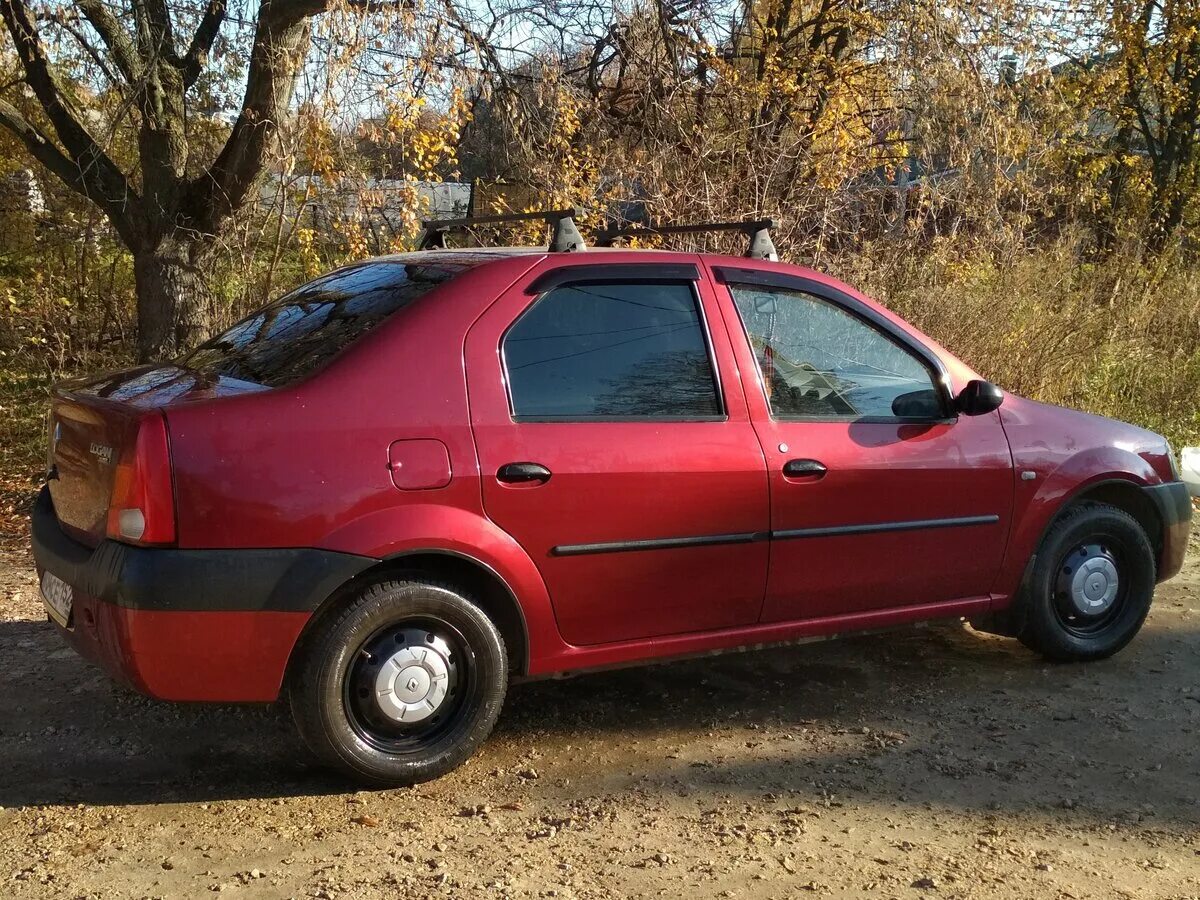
(757, 230)
(566, 236)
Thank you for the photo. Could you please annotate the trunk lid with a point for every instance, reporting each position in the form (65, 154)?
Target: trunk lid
(95, 420)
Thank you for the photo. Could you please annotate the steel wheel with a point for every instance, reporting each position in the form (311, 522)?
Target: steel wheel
(406, 683)
(1090, 585)
(1088, 590)
(401, 683)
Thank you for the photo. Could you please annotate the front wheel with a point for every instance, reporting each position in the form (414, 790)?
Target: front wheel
(402, 684)
(1091, 585)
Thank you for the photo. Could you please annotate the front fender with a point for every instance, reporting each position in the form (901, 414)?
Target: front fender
(428, 527)
(1052, 489)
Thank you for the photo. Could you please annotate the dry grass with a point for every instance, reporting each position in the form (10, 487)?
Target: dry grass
(1119, 338)
(22, 451)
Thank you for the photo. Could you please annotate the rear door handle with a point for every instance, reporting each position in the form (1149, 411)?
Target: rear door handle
(522, 473)
(804, 468)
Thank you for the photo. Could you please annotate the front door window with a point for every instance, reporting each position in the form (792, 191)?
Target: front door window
(819, 361)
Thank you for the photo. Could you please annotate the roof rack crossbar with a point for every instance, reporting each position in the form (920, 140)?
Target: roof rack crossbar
(566, 236)
(757, 230)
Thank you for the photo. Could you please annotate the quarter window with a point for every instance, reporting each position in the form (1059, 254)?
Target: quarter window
(611, 351)
(819, 362)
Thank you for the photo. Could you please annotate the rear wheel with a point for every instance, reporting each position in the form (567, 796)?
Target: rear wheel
(1091, 585)
(402, 685)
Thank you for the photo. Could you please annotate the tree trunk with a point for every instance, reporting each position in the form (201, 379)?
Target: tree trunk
(173, 307)
(1167, 206)
(1108, 228)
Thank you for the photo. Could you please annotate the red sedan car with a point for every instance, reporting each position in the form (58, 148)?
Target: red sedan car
(401, 485)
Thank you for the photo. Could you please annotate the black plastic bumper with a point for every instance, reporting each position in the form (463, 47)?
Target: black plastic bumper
(163, 578)
(1174, 505)
(1172, 500)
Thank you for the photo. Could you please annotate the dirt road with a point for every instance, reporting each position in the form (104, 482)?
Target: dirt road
(935, 762)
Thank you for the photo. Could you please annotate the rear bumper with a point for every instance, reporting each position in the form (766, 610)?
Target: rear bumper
(188, 624)
(1174, 505)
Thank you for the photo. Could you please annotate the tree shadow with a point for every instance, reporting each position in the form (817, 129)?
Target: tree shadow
(937, 715)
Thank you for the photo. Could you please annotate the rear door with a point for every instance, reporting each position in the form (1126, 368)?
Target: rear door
(881, 497)
(614, 450)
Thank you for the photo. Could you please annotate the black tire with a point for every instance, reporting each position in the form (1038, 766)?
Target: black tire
(346, 694)
(1079, 554)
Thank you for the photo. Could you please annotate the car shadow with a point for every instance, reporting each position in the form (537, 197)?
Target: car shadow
(936, 715)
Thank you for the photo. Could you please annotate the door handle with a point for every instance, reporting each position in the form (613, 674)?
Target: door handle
(523, 472)
(804, 468)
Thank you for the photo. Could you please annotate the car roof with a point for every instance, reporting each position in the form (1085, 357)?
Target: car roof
(470, 257)
(477, 257)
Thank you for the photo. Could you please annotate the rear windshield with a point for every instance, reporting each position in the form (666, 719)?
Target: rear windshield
(293, 337)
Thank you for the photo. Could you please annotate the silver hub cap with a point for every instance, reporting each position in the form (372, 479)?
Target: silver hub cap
(412, 684)
(1090, 580)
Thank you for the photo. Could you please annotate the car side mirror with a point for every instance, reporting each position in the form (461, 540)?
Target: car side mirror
(978, 398)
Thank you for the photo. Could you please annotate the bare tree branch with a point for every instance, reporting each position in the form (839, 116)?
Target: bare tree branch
(115, 37)
(40, 147)
(280, 40)
(98, 177)
(276, 57)
(202, 42)
(69, 24)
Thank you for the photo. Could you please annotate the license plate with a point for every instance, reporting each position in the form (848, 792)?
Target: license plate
(58, 597)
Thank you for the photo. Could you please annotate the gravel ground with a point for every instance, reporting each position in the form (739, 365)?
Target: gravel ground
(935, 762)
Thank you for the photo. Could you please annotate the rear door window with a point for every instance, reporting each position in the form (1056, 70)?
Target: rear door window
(587, 352)
(295, 336)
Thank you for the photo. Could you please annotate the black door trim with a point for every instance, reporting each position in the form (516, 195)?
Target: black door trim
(875, 527)
(703, 540)
(706, 540)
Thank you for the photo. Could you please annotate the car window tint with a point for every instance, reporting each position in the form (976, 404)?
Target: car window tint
(296, 335)
(611, 351)
(819, 361)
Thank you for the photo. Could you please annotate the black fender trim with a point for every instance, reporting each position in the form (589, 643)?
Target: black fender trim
(1172, 500)
(176, 580)
(1174, 504)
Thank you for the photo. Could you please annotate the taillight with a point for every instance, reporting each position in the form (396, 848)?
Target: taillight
(142, 508)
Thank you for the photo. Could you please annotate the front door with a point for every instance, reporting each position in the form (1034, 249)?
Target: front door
(880, 496)
(612, 450)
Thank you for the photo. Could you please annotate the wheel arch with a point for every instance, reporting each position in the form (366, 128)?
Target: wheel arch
(480, 580)
(1117, 489)
(1126, 496)
(1102, 475)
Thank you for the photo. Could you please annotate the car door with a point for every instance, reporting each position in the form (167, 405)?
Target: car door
(881, 497)
(614, 451)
